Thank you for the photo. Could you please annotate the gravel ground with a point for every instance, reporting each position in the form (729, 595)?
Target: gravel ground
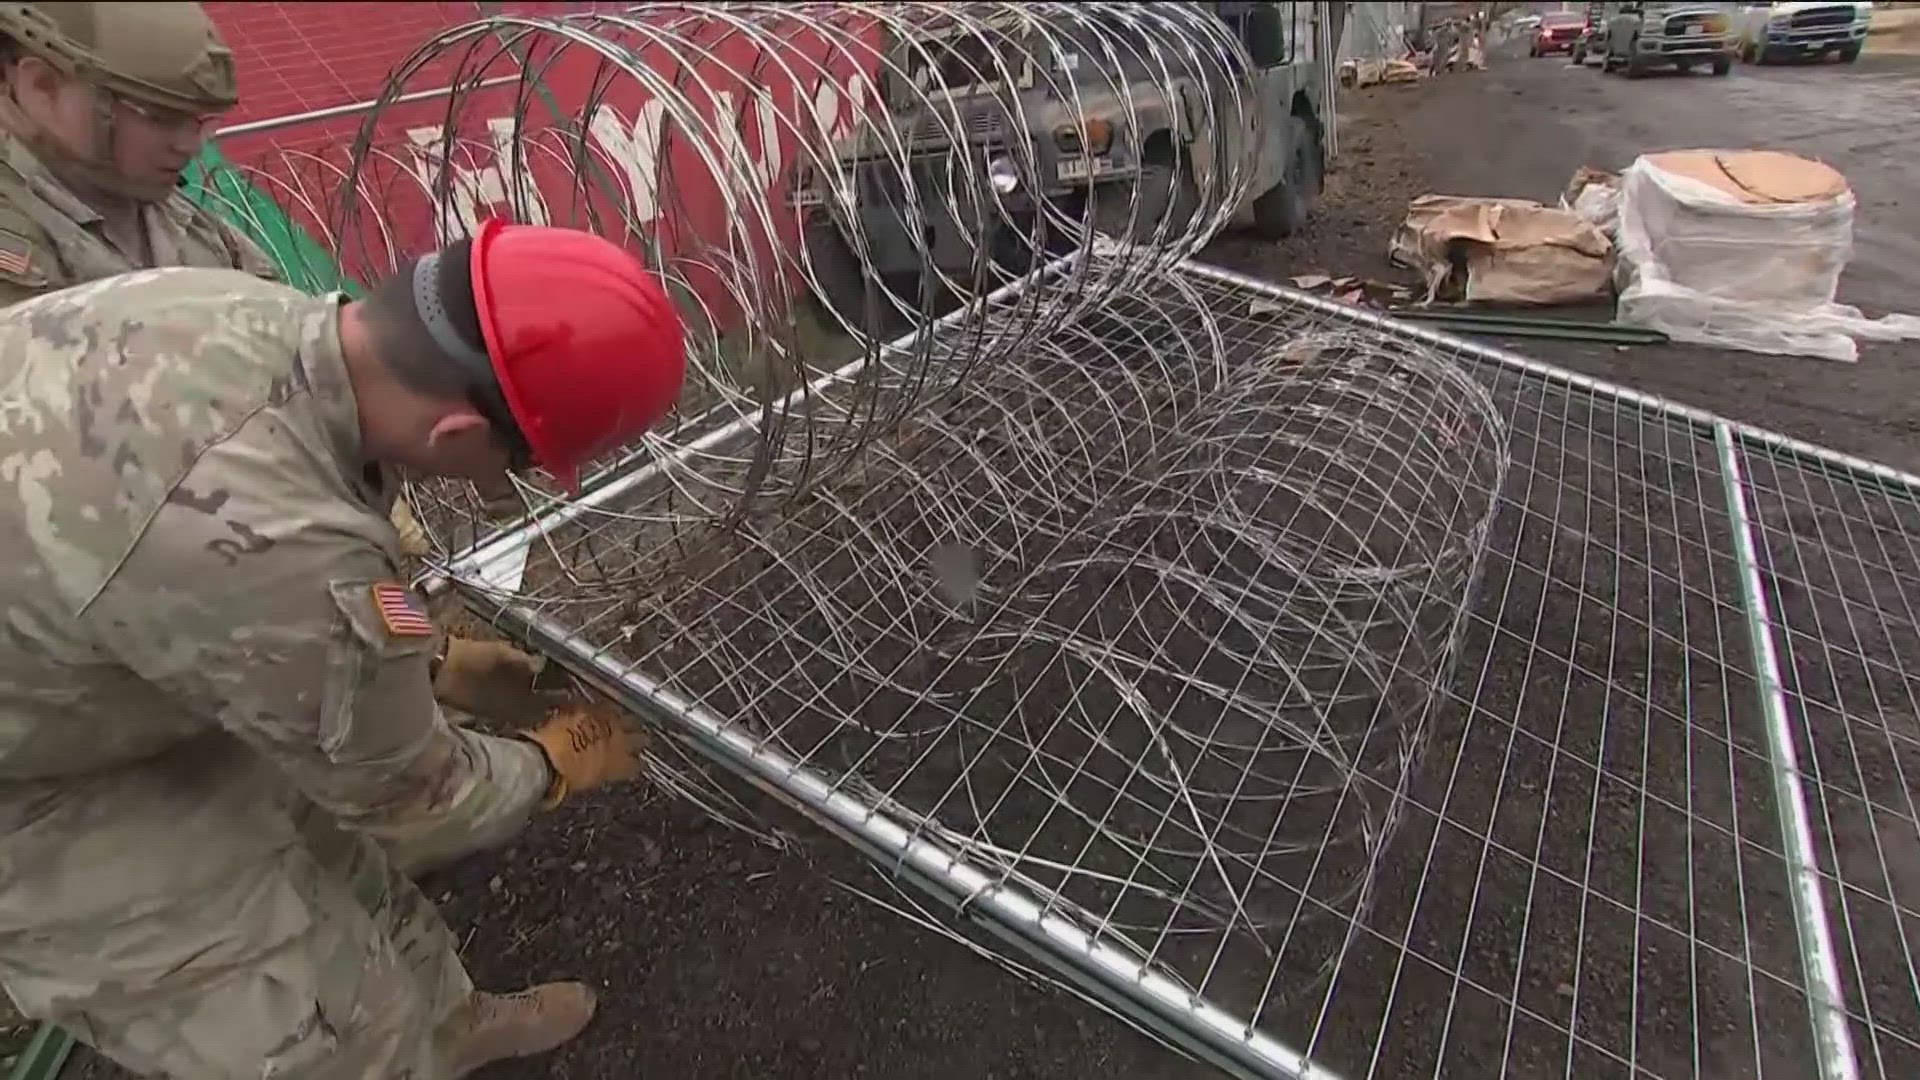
(1533, 843)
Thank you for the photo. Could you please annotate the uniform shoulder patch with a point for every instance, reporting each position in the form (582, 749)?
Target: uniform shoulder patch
(17, 261)
(403, 615)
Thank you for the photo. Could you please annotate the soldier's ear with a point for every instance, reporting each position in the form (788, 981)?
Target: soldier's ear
(29, 74)
(36, 87)
(459, 427)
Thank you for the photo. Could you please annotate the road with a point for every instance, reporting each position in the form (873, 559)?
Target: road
(1522, 127)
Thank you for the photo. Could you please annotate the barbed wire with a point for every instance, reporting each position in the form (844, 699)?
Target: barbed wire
(1027, 538)
(1150, 621)
(824, 178)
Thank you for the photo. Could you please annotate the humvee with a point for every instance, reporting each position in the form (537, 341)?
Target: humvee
(1127, 151)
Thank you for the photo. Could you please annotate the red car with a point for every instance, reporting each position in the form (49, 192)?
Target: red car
(1557, 32)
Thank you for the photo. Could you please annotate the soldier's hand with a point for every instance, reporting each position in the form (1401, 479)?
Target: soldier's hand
(491, 679)
(588, 746)
(413, 538)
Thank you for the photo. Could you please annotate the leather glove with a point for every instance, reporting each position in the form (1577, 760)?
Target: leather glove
(413, 538)
(492, 679)
(587, 746)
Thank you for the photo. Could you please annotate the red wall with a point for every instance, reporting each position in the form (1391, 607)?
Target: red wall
(303, 56)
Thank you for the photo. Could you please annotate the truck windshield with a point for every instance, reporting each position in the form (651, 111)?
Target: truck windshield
(963, 60)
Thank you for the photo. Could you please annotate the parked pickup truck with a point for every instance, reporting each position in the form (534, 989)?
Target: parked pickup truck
(1641, 37)
(1593, 37)
(1774, 32)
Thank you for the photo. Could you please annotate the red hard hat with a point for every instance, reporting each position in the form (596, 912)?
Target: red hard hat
(587, 347)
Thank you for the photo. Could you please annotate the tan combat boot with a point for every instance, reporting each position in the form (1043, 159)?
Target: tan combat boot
(493, 1027)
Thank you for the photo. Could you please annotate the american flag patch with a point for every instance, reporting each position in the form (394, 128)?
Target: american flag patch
(16, 255)
(401, 612)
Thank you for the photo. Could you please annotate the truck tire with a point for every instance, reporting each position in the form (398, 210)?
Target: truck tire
(1723, 65)
(846, 292)
(1284, 209)
(1849, 53)
(1636, 62)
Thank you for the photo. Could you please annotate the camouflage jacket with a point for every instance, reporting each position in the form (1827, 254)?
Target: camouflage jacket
(194, 543)
(50, 239)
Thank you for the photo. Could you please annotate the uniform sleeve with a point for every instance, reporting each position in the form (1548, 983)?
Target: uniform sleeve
(13, 292)
(290, 627)
(27, 266)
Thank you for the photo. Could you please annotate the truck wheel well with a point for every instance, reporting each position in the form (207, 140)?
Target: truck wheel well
(1158, 145)
(1303, 108)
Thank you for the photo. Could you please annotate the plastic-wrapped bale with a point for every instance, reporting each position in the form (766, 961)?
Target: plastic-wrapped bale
(1742, 250)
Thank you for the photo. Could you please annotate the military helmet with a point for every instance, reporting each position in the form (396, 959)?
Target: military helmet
(165, 55)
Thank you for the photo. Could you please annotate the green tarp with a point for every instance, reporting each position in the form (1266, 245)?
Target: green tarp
(215, 183)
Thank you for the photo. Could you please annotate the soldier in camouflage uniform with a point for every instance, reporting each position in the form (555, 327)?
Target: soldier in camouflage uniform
(107, 104)
(215, 705)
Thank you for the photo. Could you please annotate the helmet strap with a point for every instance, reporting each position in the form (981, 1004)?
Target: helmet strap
(100, 171)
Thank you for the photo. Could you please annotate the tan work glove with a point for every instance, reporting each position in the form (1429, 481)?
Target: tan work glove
(492, 679)
(413, 538)
(588, 746)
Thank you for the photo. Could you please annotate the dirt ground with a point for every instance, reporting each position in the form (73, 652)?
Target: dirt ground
(721, 958)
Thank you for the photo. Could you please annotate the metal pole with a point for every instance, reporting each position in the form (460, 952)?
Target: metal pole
(1332, 30)
(1906, 484)
(275, 123)
(1826, 1002)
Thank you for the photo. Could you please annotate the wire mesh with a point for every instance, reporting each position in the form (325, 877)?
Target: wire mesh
(1591, 881)
(1149, 622)
(1837, 558)
(1579, 868)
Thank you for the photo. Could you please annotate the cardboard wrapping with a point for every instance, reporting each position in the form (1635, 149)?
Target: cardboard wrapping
(1502, 251)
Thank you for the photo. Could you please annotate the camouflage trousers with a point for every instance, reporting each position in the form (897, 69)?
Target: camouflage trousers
(195, 918)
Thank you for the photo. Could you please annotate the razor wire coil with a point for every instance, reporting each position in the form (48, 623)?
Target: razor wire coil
(975, 502)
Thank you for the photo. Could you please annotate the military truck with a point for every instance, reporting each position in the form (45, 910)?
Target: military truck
(1641, 37)
(1128, 150)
